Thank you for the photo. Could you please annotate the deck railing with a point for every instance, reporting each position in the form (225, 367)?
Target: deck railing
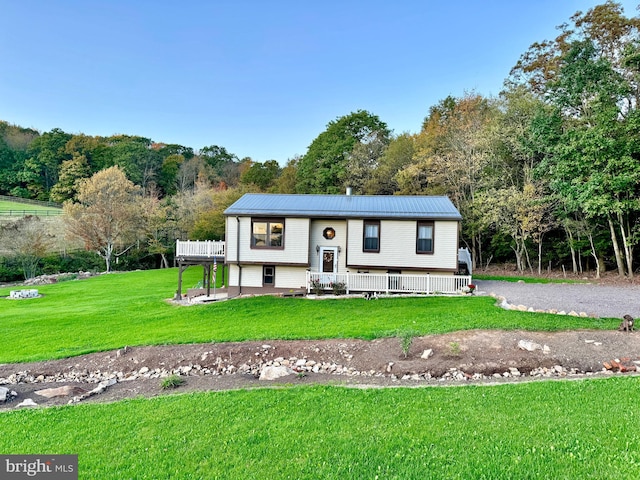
(199, 249)
(389, 282)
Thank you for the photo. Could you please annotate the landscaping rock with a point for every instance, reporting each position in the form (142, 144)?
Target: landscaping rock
(60, 391)
(427, 353)
(529, 345)
(4, 393)
(27, 402)
(273, 373)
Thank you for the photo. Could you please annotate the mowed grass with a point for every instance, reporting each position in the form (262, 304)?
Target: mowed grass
(545, 430)
(6, 205)
(111, 311)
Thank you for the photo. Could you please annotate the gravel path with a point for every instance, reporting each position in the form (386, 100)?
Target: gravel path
(600, 300)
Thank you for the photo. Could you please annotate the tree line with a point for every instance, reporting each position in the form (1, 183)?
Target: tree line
(545, 173)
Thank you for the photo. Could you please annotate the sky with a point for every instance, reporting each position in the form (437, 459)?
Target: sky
(260, 78)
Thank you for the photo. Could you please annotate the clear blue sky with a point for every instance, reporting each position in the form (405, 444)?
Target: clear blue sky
(260, 78)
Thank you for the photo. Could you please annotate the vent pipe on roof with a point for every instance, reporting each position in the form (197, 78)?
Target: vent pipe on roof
(349, 190)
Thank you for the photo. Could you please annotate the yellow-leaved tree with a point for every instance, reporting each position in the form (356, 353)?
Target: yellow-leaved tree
(107, 213)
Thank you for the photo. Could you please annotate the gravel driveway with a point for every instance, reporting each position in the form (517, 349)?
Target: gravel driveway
(599, 300)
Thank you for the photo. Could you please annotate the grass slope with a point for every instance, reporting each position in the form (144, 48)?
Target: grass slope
(17, 206)
(536, 430)
(115, 310)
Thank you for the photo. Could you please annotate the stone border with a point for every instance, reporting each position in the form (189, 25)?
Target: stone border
(502, 303)
(263, 369)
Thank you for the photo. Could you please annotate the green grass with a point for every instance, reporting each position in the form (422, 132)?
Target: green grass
(17, 206)
(539, 430)
(111, 311)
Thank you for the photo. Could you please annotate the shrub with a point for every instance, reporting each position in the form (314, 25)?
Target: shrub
(78, 261)
(454, 349)
(173, 381)
(339, 288)
(316, 287)
(406, 339)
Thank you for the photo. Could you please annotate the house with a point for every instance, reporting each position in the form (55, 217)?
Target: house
(286, 243)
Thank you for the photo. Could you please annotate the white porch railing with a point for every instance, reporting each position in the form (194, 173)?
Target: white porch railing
(390, 282)
(200, 249)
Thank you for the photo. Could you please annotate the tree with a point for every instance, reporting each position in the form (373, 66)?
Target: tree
(604, 25)
(398, 154)
(158, 227)
(27, 239)
(286, 181)
(593, 163)
(223, 166)
(454, 153)
(323, 168)
(589, 77)
(263, 175)
(138, 160)
(107, 213)
(168, 178)
(362, 161)
(14, 142)
(71, 173)
(46, 153)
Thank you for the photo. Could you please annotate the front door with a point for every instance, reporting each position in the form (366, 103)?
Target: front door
(328, 259)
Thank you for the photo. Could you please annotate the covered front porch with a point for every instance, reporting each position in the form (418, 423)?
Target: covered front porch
(388, 282)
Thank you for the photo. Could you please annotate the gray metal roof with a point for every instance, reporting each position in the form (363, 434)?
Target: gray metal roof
(344, 206)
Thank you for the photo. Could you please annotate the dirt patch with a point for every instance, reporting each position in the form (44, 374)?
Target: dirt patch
(474, 356)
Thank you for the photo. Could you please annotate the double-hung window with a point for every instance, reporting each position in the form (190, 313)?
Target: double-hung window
(267, 233)
(268, 276)
(424, 242)
(371, 242)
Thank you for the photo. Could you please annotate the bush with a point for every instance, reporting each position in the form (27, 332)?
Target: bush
(316, 287)
(173, 381)
(10, 270)
(406, 339)
(136, 259)
(72, 262)
(339, 288)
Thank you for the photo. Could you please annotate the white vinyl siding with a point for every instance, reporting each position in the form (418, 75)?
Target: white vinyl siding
(398, 246)
(252, 276)
(317, 240)
(296, 243)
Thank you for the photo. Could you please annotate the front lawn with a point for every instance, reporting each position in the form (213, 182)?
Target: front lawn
(111, 311)
(540, 430)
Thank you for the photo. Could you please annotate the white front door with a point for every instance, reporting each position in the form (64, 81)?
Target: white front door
(329, 259)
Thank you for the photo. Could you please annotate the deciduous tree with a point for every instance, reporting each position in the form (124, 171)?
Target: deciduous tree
(323, 168)
(106, 215)
(28, 240)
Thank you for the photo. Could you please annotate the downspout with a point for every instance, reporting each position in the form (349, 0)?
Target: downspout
(238, 256)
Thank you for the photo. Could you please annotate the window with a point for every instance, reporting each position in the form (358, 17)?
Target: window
(425, 237)
(371, 241)
(267, 233)
(268, 276)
